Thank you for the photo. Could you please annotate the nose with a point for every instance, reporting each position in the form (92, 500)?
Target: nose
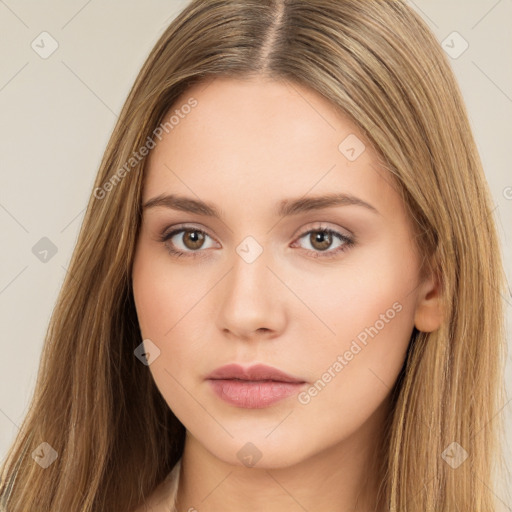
(252, 299)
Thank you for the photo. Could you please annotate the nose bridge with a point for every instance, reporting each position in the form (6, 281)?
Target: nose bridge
(250, 297)
(250, 269)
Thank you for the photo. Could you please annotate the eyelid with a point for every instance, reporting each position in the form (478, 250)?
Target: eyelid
(320, 226)
(183, 227)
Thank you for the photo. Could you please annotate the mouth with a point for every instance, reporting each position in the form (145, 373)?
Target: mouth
(254, 387)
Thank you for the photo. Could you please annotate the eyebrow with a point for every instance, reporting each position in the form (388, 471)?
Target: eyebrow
(284, 208)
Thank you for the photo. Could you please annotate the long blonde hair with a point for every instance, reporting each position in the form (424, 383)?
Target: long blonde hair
(97, 406)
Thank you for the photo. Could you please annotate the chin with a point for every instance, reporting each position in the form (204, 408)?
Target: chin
(256, 449)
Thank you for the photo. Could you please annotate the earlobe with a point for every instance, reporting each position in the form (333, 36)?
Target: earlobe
(429, 311)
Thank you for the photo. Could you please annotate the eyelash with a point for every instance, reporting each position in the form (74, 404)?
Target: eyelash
(348, 242)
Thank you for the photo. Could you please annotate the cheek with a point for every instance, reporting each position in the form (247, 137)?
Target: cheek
(369, 305)
(160, 293)
(169, 303)
(161, 303)
(367, 289)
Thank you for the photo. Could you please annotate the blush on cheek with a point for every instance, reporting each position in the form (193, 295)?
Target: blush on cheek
(375, 338)
(154, 300)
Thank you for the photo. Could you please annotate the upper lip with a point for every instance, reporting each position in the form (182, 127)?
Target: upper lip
(252, 373)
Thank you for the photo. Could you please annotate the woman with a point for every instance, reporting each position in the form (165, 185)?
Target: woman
(277, 298)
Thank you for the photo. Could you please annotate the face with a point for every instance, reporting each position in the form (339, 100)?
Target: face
(326, 292)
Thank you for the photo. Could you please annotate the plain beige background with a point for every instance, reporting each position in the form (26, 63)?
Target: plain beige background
(58, 111)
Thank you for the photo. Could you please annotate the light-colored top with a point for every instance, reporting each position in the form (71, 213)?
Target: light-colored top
(171, 487)
(163, 499)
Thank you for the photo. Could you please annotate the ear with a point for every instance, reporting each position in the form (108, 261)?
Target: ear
(429, 312)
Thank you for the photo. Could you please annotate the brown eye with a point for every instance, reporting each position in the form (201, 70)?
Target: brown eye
(320, 240)
(191, 242)
(193, 239)
(185, 241)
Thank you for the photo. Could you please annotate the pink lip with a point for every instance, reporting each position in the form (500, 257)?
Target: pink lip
(254, 387)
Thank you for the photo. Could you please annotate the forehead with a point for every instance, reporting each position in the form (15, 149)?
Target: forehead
(254, 111)
(256, 140)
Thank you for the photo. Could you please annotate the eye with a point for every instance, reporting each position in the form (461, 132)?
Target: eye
(320, 239)
(189, 242)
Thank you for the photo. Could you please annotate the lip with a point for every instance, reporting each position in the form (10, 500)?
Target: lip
(253, 373)
(253, 387)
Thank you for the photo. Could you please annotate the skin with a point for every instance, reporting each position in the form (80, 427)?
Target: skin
(246, 146)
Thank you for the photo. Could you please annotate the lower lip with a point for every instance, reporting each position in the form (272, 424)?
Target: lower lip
(253, 394)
